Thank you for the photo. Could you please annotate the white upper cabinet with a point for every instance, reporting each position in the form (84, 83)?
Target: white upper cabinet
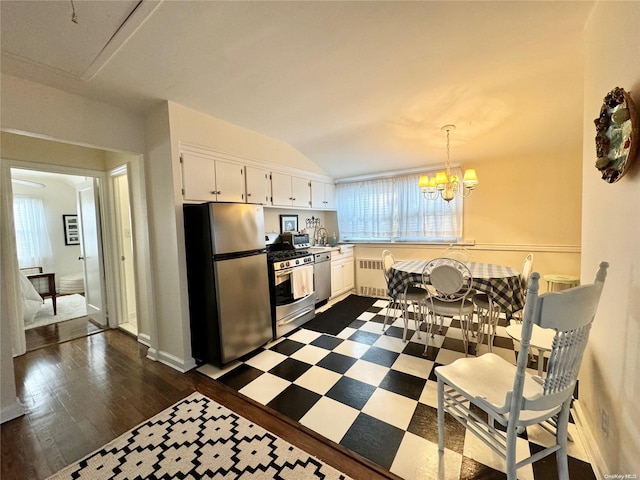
(229, 181)
(290, 191)
(323, 195)
(198, 177)
(207, 179)
(257, 185)
(210, 176)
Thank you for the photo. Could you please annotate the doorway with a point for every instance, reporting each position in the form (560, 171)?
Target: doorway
(48, 247)
(127, 320)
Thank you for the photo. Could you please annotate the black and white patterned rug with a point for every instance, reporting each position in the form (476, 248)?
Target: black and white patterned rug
(198, 438)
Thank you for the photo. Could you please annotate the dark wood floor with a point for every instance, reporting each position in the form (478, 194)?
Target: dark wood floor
(80, 394)
(55, 333)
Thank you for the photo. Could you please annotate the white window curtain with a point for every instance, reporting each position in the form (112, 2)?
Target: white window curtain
(394, 210)
(32, 238)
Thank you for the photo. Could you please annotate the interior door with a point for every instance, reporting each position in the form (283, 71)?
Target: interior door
(126, 289)
(91, 250)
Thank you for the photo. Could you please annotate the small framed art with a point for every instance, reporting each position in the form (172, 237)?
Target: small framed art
(71, 230)
(288, 223)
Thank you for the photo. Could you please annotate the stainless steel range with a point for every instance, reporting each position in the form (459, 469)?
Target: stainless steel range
(289, 307)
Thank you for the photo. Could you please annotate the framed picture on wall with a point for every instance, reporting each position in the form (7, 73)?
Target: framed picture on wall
(288, 223)
(71, 230)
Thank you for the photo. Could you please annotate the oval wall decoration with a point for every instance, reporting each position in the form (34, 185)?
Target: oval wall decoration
(616, 135)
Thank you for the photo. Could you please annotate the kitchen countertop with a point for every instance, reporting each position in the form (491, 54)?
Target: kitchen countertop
(328, 248)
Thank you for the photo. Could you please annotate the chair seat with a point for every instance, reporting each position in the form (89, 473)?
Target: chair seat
(415, 294)
(451, 309)
(490, 377)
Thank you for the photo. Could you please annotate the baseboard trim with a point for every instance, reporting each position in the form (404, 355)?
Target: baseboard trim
(144, 339)
(591, 447)
(176, 363)
(14, 410)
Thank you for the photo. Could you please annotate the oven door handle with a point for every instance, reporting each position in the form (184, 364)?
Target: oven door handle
(294, 318)
(282, 273)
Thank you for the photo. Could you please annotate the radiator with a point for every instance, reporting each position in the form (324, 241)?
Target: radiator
(376, 292)
(370, 264)
(371, 281)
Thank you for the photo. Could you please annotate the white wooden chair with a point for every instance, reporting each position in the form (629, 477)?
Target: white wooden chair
(451, 281)
(412, 295)
(488, 311)
(510, 395)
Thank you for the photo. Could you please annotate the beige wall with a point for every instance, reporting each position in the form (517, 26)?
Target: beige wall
(37, 150)
(530, 200)
(610, 377)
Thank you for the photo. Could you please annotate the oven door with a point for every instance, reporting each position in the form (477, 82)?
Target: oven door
(290, 313)
(283, 287)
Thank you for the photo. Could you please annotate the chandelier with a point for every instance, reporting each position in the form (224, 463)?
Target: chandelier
(445, 185)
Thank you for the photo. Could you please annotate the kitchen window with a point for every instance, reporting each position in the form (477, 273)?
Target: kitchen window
(393, 209)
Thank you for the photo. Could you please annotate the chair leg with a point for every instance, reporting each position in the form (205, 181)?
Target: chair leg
(386, 316)
(561, 439)
(440, 415)
(511, 451)
(405, 318)
(417, 316)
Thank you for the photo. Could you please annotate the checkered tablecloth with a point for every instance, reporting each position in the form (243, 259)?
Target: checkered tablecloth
(501, 283)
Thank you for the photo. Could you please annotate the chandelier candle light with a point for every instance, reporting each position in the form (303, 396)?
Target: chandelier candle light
(445, 185)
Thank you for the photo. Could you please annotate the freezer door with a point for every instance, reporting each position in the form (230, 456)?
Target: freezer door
(236, 227)
(244, 310)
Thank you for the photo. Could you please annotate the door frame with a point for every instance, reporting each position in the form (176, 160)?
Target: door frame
(120, 287)
(143, 278)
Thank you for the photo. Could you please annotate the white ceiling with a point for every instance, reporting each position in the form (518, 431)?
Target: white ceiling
(358, 87)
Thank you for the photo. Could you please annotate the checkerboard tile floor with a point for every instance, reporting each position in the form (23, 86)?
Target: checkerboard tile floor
(376, 395)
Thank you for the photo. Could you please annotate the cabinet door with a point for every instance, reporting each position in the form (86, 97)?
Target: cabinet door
(317, 194)
(348, 277)
(337, 284)
(229, 181)
(330, 195)
(300, 192)
(323, 195)
(257, 185)
(198, 177)
(281, 189)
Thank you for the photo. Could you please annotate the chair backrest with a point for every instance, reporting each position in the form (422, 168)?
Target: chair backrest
(570, 313)
(461, 254)
(387, 260)
(450, 278)
(527, 265)
(31, 270)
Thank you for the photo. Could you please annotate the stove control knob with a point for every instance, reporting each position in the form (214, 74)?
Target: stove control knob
(288, 264)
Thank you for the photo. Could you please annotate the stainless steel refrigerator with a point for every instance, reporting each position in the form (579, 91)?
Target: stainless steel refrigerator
(229, 303)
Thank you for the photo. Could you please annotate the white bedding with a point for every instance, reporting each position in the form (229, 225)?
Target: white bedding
(31, 299)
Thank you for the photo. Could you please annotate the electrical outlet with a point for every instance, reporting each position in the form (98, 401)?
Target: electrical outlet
(604, 421)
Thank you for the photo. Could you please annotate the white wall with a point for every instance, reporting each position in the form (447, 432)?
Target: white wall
(46, 112)
(167, 126)
(610, 378)
(57, 115)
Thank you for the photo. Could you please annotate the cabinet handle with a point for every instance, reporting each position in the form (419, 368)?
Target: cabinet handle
(248, 195)
(213, 192)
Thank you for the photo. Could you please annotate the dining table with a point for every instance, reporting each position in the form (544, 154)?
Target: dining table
(500, 282)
